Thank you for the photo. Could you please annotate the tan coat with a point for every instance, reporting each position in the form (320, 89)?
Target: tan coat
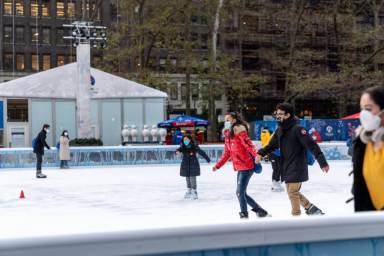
(64, 148)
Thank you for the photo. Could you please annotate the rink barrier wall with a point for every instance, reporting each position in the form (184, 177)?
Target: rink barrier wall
(130, 155)
(358, 234)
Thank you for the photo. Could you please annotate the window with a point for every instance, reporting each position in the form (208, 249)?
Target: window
(46, 62)
(195, 91)
(19, 34)
(17, 110)
(59, 36)
(20, 62)
(60, 8)
(183, 92)
(8, 61)
(35, 62)
(71, 58)
(34, 35)
(45, 6)
(174, 92)
(20, 7)
(60, 60)
(8, 7)
(8, 34)
(194, 37)
(46, 35)
(34, 8)
(204, 41)
(71, 10)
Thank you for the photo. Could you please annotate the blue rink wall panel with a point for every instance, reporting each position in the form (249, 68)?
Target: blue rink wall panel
(354, 247)
(130, 155)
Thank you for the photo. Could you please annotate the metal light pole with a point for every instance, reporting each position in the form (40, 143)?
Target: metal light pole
(83, 35)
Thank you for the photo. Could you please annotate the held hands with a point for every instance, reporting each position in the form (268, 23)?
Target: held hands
(258, 159)
(325, 168)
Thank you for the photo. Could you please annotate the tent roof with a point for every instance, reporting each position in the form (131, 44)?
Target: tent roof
(60, 82)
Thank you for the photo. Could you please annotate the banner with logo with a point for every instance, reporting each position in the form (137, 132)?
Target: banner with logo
(329, 129)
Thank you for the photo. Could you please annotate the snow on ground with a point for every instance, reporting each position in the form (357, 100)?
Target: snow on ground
(101, 199)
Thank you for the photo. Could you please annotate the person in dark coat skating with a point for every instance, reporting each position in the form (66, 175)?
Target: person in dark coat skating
(190, 167)
(293, 142)
(38, 149)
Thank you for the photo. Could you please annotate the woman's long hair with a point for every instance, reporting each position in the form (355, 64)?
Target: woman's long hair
(239, 121)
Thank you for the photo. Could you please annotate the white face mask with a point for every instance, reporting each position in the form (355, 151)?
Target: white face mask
(65, 134)
(227, 125)
(369, 121)
(47, 130)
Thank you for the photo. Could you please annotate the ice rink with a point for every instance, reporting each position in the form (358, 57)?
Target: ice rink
(101, 199)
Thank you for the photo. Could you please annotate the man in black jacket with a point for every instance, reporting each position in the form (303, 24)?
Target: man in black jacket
(294, 142)
(39, 150)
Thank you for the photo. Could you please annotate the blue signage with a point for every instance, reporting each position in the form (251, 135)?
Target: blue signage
(1, 115)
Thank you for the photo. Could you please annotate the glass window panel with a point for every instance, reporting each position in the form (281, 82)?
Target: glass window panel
(35, 62)
(60, 12)
(41, 113)
(8, 7)
(46, 35)
(20, 66)
(8, 61)
(60, 60)
(59, 36)
(46, 62)
(71, 10)
(20, 7)
(8, 33)
(34, 8)
(34, 35)
(45, 8)
(17, 110)
(20, 34)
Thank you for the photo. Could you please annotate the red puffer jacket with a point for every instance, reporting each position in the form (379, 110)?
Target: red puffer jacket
(239, 148)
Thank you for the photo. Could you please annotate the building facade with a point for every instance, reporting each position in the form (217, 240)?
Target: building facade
(32, 33)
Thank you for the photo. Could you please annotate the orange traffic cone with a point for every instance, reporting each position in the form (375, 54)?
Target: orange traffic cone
(22, 196)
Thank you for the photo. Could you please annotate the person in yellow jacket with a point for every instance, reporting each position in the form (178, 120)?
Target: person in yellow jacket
(265, 137)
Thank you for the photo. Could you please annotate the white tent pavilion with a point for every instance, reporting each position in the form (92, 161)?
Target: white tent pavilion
(51, 97)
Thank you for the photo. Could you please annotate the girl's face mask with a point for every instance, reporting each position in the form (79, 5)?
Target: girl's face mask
(369, 121)
(227, 125)
(186, 142)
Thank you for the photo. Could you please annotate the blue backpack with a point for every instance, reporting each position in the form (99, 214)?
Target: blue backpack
(34, 144)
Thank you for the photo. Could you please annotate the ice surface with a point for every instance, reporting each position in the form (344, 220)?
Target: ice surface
(102, 199)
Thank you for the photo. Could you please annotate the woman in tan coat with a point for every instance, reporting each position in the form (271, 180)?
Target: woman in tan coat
(64, 153)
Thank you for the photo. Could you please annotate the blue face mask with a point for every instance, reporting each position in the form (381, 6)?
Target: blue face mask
(227, 125)
(187, 142)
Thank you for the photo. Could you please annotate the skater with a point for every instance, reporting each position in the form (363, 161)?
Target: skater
(293, 142)
(274, 157)
(241, 150)
(368, 153)
(190, 167)
(38, 149)
(64, 153)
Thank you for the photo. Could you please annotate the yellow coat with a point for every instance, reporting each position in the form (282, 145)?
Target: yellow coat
(265, 138)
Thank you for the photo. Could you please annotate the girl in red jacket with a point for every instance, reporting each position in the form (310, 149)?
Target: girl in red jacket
(241, 150)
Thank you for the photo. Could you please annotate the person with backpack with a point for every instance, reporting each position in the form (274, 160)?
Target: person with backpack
(38, 148)
(190, 167)
(241, 150)
(293, 142)
(64, 153)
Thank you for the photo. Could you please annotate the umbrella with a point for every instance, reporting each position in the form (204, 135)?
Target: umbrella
(183, 121)
(351, 117)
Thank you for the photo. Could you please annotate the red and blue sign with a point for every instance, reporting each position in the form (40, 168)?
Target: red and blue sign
(183, 121)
